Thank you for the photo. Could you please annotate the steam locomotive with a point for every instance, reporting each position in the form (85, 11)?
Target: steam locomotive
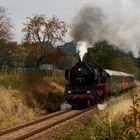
(90, 84)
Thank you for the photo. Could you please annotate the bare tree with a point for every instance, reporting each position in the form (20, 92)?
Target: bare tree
(5, 25)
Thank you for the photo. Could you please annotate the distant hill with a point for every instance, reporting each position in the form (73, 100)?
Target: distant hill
(68, 47)
(136, 61)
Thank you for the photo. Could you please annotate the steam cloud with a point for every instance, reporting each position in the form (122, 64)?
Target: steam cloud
(87, 24)
(117, 21)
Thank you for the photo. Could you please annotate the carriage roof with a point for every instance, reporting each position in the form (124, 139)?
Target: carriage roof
(118, 73)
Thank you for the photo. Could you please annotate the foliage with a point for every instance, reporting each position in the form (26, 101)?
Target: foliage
(4, 49)
(106, 130)
(128, 65)
(43, 31)
(18, 55)
(54, 57)
(33, 54)
(109, 57)
(103, 54)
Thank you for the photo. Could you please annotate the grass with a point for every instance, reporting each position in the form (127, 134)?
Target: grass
(13, 108)
(119, 107)
(11, 81)
(116, 122)
(29, 96)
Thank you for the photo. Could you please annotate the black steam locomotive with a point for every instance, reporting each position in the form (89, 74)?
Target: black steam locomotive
(85, 82)
(90, 84)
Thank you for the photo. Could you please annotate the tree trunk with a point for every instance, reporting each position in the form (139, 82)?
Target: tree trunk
(39, 61)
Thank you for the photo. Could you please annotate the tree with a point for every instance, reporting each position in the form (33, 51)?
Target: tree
(43, 31)
(104, 55)
(18, 55)
(5, 47)
(5, 25)
(33, 55)
(128, 64)
(55, 57)
(49, 56)
(5, 34)
(59, 55)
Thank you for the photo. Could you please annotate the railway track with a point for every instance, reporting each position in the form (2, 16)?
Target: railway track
(29, 129)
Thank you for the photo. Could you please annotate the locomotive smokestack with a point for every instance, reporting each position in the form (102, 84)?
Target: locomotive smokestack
(79, 60)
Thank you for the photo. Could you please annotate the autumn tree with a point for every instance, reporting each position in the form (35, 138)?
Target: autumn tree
(39, 29)
(55, 57)
(33, 54)
(59, 55)
(18, 55)
(49, 56)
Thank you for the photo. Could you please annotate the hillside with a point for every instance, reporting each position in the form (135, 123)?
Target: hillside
(28, 97)
(116, 122)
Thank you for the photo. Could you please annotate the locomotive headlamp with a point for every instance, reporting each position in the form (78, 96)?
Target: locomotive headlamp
(69, 91)
(79, 69)
(88, 91)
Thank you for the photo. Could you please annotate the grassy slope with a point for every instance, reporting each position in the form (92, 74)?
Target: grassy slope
(111, 124)
(28, 97)
(13, 107)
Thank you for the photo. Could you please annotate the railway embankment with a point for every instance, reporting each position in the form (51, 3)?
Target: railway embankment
(120, 120)
(29, 96)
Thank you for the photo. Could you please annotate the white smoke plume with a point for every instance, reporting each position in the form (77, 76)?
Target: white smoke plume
(81, 48)
(117, 21)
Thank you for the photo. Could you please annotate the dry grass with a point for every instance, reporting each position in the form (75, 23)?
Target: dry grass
(13, 108)
(118, 108)
(111, 123)
(56, 86)
(122, 104)
(137, 82)
(27, 97)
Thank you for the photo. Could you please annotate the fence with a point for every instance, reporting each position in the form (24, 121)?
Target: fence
(22, 71)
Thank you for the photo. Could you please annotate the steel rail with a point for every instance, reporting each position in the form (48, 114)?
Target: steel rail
(25, 136)
(12, 129)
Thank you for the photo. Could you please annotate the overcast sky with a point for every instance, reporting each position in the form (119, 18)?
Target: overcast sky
(20, 9)
(121, 23)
